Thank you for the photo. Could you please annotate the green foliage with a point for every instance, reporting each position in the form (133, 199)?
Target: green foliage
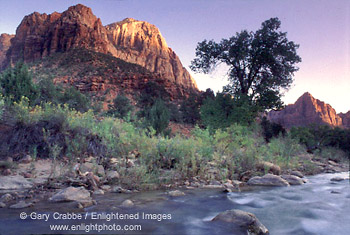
(75, 99)
(190, 109)
(54, 131)
(319, 137)
(175, 114)
(121, 107)
(56, 94)
(224, 110)
(2, 106)
(260, 63)
(158, 117)
(271, 129)
(17, 82)
(38, 129)
(49, 92)
(151, 92)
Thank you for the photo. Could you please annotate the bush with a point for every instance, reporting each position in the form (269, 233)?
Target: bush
(49, 92)
(271, 130)
(319, 137)
(2, 106)
(75, 100)
(190, 108)
(158, 117)
(40, 129)
(151, 92)
(121, 107)
(225, 110)
(16, 82)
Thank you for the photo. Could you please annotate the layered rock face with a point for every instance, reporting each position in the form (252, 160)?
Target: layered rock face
(305, 111)
(142, 43)
(40, 35)
(345, 119)
(5, 43)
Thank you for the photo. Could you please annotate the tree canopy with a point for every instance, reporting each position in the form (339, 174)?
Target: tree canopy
(260, 63)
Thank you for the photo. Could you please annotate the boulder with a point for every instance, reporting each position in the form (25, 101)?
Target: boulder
(243, 220)
(268, 180)
(112, 175)
(106, 188)
(127, 203)
(176, 193)
(6, 197)
(99, 192)
(14, 182)
(91, 167)
(7, 172)
(268, 167)
(237, 183)
(337, 178)
(26, 159)
(72, 194)
(293, 179)
(297, 173)
(21, 204)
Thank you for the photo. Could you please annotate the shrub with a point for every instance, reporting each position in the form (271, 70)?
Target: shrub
(121, 107)
(151, 92)
(224, 110)
(158, 117)
(319, 137)
(190, 108)
(271, 129)
(2, 106)
(40, 129)
(17, 82)
(49, 92)
(75, 100)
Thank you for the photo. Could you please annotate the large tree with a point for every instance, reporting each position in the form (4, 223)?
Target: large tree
(260, 63)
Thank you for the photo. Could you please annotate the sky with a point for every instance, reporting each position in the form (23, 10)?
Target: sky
(320, 27)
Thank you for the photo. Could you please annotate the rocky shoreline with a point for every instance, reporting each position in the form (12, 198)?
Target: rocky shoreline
(35, 180)
(81, 185)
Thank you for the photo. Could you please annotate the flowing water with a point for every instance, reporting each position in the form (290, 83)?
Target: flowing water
(318, 207)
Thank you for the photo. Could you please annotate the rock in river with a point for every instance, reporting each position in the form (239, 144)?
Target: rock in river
(244, 220)
(176, 193)
(337, 178)
(293, 179)
(20, 205)
(72, 194)
(268, 180)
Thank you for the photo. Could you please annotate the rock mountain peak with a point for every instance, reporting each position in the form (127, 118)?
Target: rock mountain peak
(308, 110)
(139, 42)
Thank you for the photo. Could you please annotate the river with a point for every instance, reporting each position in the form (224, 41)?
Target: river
(318, 207)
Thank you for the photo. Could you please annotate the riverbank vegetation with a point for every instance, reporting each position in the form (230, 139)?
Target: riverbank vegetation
(142, 155)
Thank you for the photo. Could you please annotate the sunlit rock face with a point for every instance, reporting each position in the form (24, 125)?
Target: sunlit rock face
(40, 35)
(305, 111)
(141, 43)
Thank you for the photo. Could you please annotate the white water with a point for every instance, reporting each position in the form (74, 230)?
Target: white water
(311, 208)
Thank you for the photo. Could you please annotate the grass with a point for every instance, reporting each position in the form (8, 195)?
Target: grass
(56, 131)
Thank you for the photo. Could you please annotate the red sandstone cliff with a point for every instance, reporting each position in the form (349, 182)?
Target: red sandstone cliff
(41, 35)
(308, 110)
(5, 43)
